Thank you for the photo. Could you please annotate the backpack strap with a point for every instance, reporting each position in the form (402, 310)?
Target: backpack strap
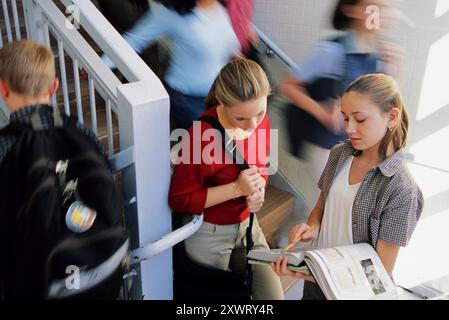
(231, 148)
(343, 41)
(340, 83)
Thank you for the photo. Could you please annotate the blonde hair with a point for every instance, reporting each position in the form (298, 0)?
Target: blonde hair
(383, 91)
(27, 67)
(241, 80)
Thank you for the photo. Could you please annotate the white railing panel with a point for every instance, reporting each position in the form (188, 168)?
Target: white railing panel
(7, 21)
(1, 38)
(145, 114)
(63, 74)
(143, 118)
(77, 47)
(109, 127)
(93, 105)
(112, 43)
(26, 19)
(79, 104)
(16, 19)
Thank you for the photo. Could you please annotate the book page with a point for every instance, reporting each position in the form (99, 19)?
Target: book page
(294, 258)
(301, 269)
(354, 272)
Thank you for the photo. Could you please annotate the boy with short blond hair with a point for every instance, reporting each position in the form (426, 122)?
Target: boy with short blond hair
(34, 191)
(28, 69)
(27, 80)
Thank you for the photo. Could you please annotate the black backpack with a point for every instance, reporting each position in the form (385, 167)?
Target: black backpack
(301, 125)
(61, 233)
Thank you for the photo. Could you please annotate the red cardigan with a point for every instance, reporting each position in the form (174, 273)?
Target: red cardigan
(188, 189)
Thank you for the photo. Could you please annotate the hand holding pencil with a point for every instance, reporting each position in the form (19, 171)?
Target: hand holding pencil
(300, 232)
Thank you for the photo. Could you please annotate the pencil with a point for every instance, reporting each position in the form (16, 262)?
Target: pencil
(288, 247)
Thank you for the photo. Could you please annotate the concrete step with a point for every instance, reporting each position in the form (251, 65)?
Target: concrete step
(278, 206)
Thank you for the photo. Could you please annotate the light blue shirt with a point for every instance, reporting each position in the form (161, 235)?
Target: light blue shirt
(202, 43)
(327, 60)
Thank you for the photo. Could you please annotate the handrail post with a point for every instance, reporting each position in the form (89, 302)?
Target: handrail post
(144, 123)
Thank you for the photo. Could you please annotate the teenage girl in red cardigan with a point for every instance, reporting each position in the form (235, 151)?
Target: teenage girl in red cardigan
(206, 181)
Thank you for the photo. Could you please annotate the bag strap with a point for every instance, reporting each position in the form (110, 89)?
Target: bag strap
(341, 40)
(231, 148)
(228, 143)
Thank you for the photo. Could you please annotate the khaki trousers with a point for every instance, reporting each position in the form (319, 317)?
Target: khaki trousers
(224, 247)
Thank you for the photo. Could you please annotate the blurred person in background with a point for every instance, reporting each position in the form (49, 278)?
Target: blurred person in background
(123, 15)
(314, 120)
(202, 42)
(241, 14)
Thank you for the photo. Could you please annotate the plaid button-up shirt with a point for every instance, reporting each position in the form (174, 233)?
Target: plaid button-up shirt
(388, 203)
(23, 116)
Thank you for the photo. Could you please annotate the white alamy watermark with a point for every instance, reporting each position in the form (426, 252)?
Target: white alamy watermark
(73, 20)
(72, 282)
(206, 147)
(372, 21)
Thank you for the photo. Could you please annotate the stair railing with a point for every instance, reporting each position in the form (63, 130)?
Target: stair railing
(140, 109)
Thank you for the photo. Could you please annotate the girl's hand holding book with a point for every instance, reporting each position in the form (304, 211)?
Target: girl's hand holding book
(280, 268)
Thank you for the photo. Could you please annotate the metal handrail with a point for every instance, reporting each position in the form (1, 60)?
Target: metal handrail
(123, 160)
(275, 49)
(77, 47)
(167, 241)
(114, 45)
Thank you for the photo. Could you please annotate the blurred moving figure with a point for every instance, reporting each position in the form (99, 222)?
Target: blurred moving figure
(203, 41)
(123, 15)
(241, 14)
(314, 120)
(367, 192)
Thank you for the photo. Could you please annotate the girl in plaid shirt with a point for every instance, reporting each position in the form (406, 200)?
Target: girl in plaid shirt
(367, 193)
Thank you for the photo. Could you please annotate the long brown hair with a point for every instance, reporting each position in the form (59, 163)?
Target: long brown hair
(340, 21)
(383, 91)
(241, 80)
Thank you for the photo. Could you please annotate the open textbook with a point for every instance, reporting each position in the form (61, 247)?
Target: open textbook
(346, 272)
(295, 259)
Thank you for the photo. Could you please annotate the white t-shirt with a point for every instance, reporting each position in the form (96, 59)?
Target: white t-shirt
(336, 224)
